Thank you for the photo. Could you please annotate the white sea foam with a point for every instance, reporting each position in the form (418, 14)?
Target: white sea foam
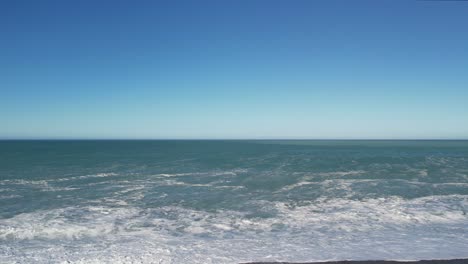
(177, 174)
(423, 172)
(209, 173)
(97, 175)
(295, 185)
(340, 173)
(10, 196)
(326, 229)
(47, 181)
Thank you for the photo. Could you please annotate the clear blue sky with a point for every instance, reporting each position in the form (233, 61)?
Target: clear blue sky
(234, 69)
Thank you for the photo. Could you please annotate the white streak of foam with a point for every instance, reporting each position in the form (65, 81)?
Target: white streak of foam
(47, 181)
(295, 185)
(340, 173)
(212, 173)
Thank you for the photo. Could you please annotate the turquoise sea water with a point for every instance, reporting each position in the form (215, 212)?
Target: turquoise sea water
(232, 201)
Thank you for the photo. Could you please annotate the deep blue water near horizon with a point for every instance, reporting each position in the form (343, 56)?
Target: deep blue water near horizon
(215, 201)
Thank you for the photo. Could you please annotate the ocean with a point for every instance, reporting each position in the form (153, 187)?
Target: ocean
(215, 201)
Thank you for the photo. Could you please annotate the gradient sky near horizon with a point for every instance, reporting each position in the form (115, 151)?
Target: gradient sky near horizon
(234, 69)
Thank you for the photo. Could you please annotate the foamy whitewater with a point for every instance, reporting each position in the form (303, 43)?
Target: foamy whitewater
(232, 201)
